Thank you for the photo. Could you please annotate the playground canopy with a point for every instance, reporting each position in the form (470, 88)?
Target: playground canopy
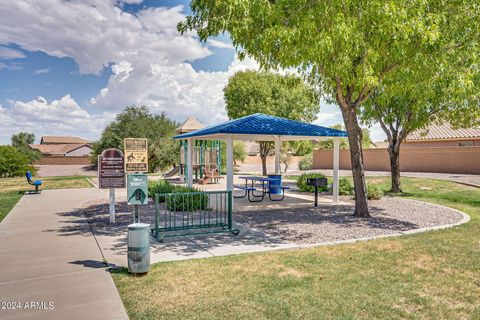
(262, 127)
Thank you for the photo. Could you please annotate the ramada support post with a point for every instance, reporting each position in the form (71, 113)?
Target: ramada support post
(229, 141)
(277, 154)
(189, 165)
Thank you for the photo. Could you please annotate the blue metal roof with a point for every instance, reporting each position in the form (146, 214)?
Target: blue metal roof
(262, 124)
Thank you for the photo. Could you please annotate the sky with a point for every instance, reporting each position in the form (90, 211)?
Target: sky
(68, 67)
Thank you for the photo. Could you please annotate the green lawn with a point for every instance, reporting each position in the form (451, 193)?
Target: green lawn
(12, 189)
(433, 275)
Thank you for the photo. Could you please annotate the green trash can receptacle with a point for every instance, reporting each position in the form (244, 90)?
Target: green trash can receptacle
(138, 247)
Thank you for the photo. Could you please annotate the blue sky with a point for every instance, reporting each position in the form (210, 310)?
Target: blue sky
(66, 68)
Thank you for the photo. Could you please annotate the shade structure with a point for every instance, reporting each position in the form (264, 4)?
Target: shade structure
(262, 127)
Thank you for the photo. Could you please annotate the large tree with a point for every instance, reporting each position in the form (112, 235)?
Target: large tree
(21, 142)
(139, 122)
(345, 47)
(249, 92)
(414, 100)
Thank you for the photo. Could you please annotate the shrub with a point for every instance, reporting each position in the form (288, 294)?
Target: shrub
(374, 192)
(302, 182)
(159, 186)
(344, 186)
(178, 203)
(306, 163)
(187, 202)
(13, 163)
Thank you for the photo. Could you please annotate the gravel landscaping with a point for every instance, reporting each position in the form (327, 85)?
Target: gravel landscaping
(305, 225)
(332, 223)
(98, 216)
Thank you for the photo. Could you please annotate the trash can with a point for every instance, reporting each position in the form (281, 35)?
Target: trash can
(138, 247)
(274, 187)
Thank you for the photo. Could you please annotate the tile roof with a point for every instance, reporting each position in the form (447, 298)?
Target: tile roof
(62, 140)
(57, 149)
(262, 124)
(443, 132)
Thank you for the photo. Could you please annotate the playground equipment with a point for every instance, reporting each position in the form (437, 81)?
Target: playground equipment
(172, 172)
(206, 160)
(206, 155)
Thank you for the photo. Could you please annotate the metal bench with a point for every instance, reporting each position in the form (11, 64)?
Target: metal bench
(36, 183)
(249, 193)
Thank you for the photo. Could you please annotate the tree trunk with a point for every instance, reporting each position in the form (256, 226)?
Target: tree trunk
(394, 154)
(264, 165)
(355, 142)
(265, 147)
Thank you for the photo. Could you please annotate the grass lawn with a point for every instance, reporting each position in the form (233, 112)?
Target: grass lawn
(11, 189)
(433, 275)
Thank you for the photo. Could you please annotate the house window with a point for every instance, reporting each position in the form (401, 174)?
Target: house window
(465, 144)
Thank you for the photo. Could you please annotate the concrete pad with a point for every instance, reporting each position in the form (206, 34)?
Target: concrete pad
(50, 255)
(246, 242)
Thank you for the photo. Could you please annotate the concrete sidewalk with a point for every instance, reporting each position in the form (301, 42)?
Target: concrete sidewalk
(51, 266)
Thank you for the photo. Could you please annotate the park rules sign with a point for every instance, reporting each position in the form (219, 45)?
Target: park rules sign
(136, 157)
(111, 172)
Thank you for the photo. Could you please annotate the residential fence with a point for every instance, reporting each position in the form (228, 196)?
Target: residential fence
(63, 160)
(457, 160)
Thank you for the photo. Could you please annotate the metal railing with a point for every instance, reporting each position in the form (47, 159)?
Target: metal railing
(193, 210)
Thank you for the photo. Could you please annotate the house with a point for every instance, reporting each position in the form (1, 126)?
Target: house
(63, 150)
(62, 140)
(438, 149)
(63, 146)
(443, 136)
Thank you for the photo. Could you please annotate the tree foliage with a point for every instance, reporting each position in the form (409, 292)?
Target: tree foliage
(13, 162)
(239, 153)
(21, 142)
(249, 92)
(139, 122)
(328, 143)
(347, 48)
(22, 139)
(413, 100)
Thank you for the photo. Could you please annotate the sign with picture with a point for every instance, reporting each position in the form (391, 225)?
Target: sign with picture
(111, 170)
(137, 188)
(136, 156)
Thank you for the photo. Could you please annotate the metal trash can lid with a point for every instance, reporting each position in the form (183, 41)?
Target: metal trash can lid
(136, 226)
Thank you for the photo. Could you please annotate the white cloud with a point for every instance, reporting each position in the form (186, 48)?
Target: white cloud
(219, 44)
(132, 1)
(97, 32)
(178, 90)
(122, 70)
(9, 53)
(42, 71)
(59, 117)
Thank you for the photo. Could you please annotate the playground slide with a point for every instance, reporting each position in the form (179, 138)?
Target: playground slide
(173, 172)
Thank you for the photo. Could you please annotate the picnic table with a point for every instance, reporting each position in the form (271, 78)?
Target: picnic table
(260, 186)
